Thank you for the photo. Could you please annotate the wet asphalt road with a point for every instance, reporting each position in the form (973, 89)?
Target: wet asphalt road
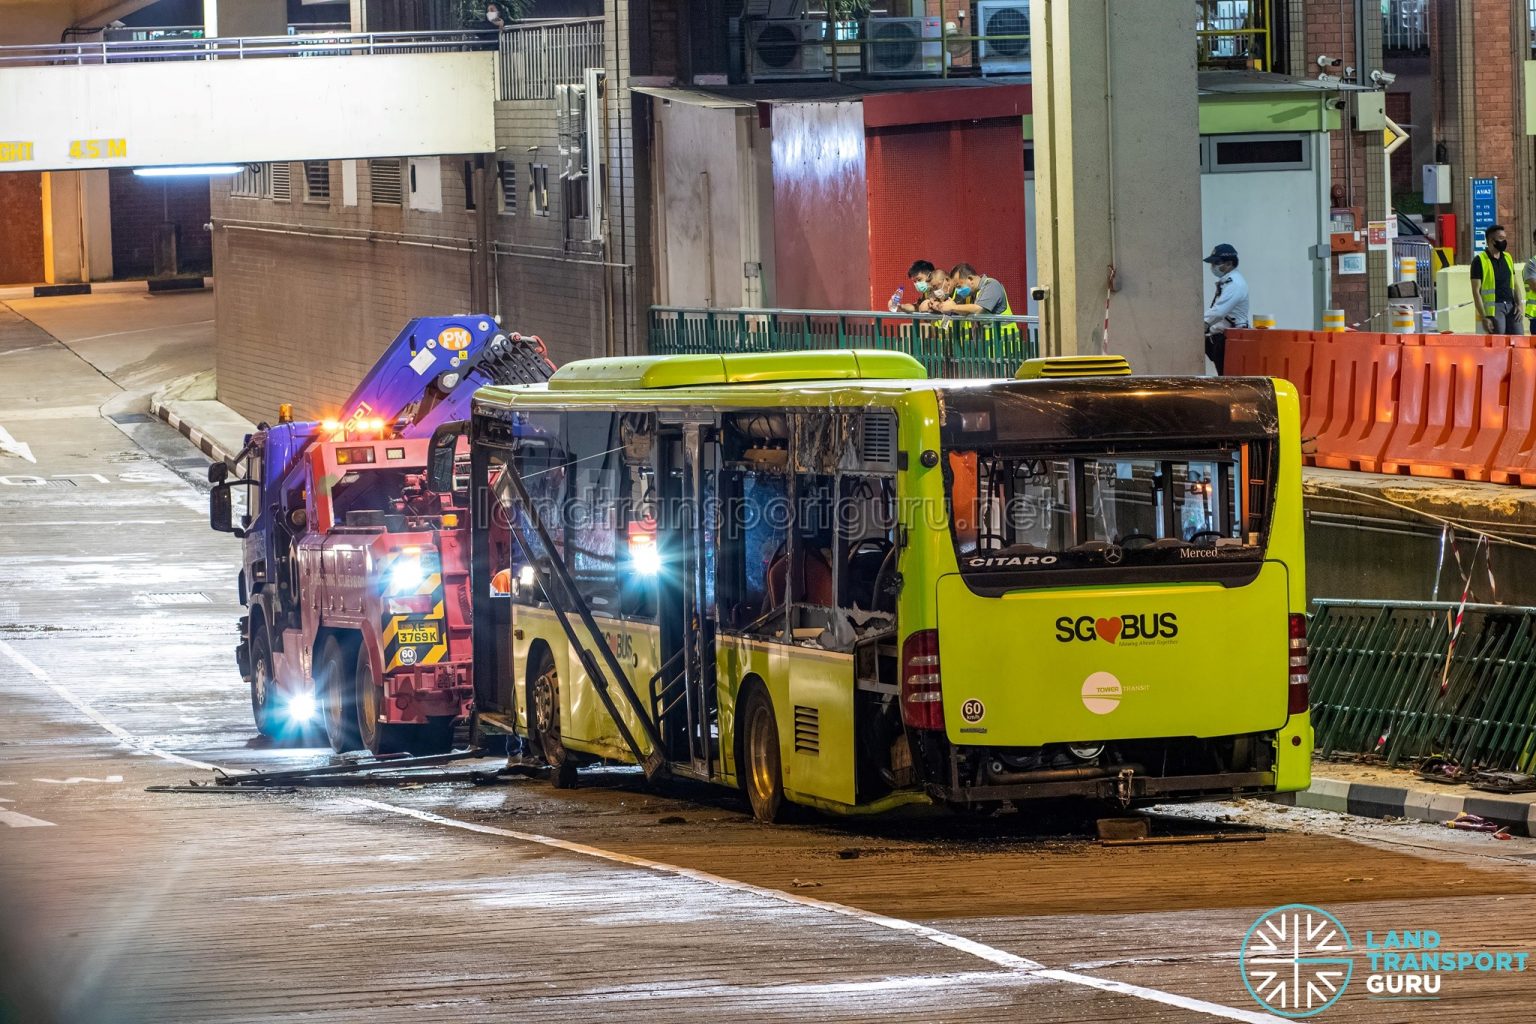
(447, 902)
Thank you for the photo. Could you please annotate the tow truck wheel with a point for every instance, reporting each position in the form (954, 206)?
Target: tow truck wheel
(333, 682)
(544, 721)
(761, 773)
(263, 696)
(368, 700)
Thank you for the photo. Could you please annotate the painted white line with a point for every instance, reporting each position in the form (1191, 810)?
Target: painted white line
(94, 715)
(15, 819)
(959, 943)
(75, 780)
(11, 446)
(991, 954)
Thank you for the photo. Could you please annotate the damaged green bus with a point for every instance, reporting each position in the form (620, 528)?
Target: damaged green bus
(831, 581)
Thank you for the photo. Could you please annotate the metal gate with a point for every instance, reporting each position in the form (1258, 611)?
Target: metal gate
(1407, 679)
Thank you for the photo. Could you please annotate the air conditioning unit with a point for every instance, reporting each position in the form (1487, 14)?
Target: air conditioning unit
(902, 46)
(1003, 18)
(787, 49)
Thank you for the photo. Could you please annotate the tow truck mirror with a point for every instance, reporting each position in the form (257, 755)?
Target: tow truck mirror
(221, 508)
(440, 455)
(218, 472)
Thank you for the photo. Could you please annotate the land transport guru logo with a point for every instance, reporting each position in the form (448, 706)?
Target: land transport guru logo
(1297, 961)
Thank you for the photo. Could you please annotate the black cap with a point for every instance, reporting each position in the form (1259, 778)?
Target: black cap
(1222, 253)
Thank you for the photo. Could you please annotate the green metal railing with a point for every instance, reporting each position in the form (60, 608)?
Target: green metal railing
(982, 346)
(1380, 682)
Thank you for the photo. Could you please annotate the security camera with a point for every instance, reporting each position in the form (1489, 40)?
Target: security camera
(1338, 104)
(1326, 61)
(1383, 78)
(1330, 80)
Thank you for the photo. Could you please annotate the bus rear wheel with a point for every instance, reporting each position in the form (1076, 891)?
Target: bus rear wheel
(544, 721)
(762, 772)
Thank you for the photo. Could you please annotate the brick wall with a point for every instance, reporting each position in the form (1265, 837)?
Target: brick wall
(1355, 158)
(141, 205)
(1477, 48)
(21, 211)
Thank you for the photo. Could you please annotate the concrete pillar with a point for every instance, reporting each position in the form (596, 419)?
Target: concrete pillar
(228, 18)
(1116, 122)
(77, 227)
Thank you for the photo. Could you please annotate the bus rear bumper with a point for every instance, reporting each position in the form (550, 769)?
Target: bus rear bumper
(1125, 787)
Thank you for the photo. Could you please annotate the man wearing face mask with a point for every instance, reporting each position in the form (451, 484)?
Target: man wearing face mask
(1229, 307)
(1496, 286)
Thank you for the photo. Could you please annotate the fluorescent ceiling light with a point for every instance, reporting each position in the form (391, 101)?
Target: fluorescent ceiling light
(177, 172)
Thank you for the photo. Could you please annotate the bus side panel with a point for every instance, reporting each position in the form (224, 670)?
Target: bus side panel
(1293, 745)
(634, 644)
(812, 693)
(1293, 754)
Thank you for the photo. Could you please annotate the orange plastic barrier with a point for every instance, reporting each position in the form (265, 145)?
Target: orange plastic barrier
(1283, 354)
(1451, 405)
(1354, 399)
(1514, 461)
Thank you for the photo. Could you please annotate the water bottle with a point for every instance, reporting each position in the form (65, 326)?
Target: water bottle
(896, 298)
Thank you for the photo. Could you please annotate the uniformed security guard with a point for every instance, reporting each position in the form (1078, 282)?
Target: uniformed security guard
(1229, 307)
(1496, 286)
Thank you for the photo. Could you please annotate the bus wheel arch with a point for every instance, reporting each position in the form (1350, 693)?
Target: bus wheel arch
(543, 695)
(759, 756)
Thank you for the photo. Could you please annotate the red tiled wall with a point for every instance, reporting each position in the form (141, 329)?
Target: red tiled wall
(947, 192)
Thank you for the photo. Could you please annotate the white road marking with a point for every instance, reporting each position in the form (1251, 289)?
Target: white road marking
(982, 951)
(11, 446)
(15, 819)
(991, 954)
(75, 780)
(96, 716)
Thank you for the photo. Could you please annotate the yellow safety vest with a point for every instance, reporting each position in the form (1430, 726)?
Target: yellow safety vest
(1516, 283)
(1007, 332)
(1530, 296)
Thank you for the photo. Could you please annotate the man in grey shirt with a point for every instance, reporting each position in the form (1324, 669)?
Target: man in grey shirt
(971, 292)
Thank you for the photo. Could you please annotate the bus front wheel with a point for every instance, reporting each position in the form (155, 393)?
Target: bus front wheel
(762, 775)
(544, 720)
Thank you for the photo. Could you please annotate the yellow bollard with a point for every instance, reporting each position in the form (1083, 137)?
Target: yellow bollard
(1263, 322)
(1333, 321)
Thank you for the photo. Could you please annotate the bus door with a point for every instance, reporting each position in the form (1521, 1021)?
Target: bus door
(687, 456)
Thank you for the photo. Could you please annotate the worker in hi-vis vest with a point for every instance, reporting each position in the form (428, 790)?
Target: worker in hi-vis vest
(1529, 278)
(1497, 289)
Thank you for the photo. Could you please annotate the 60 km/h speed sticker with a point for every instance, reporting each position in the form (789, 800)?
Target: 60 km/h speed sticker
(973, 710)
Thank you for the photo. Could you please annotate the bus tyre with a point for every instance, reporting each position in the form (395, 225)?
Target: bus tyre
(333, 686)
(544, 721)
(762, 775)
(263, 691)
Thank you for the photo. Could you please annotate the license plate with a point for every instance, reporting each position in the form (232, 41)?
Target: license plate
(418, 633)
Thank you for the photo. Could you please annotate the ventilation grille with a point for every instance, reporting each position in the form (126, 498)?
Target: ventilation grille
(317, 179)
(878, 445)
(384, 182)
(1074, 366)
(807, 730)
(279, 182)
(508, 187)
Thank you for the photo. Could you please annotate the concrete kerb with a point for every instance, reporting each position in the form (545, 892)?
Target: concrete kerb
(162, 284)
(1516, 812)
(188, 406)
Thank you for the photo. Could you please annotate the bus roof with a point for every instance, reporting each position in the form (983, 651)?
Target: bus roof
(625, 373)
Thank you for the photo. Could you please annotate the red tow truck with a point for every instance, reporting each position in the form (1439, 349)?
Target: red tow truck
(355, 576)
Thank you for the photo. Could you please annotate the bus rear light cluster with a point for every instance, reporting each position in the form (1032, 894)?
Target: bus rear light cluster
(1299, 698)
(922, 697)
